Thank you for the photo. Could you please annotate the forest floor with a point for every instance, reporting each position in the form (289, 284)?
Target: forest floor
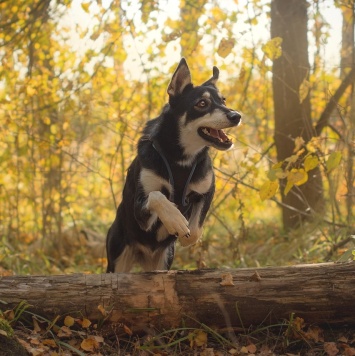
(33, 335)
(24, 333)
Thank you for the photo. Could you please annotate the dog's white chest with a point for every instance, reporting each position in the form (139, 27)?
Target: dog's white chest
(203, 185)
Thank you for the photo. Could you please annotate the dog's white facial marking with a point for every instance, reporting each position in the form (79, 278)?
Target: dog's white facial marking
(203, 185)
(153, 182)
(190, 140)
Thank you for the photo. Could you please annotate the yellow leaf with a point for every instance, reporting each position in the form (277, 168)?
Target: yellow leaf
(225, 47)
(312, 146)
(54, 129)
(281, 174)
(292, 159)
(85, 6)
(297, 176)
(197, 338)
(310, 162)
(268, 190)
(333, 161)
(299, 142)
(46, 120)
(244, 350)
(272, 48)
(304, 89)
(69, 321)
(288, 187)
(50, 342)
(64, 331)
(89, 344)
(86, 323)
(102, 310)
(31, 91)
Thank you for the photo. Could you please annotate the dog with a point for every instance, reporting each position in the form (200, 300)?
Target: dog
(170, 183)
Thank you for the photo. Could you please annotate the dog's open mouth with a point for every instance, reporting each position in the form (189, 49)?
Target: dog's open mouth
(218, 138)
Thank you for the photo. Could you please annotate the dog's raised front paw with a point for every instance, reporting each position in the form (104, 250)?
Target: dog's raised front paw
(169, 214)
(175, 222)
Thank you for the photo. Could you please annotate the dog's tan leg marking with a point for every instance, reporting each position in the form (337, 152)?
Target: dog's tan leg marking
(125, 261)
(168, 214)
(152, 261)
(162, 233)
(195, 229)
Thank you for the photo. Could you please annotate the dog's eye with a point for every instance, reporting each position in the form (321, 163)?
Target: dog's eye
(203, 103)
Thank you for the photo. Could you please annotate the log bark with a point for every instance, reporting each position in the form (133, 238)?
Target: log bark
(320, 293)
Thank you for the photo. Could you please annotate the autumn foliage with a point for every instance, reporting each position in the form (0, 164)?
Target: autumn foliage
(78, 80)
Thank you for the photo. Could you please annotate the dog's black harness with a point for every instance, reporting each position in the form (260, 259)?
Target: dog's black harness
(184, 200)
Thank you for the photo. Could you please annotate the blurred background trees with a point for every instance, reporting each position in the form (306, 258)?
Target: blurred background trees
(78, 80)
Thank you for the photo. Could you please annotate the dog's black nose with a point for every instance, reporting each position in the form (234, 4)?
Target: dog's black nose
(234, 116)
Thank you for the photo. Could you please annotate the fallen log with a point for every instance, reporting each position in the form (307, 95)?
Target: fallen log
(319, 293)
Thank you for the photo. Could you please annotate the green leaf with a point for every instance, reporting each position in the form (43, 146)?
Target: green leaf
(333, 161)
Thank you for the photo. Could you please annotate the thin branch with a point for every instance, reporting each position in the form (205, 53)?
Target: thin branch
(324, 118)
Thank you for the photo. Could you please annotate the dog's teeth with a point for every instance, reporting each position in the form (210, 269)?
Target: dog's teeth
(205, 131)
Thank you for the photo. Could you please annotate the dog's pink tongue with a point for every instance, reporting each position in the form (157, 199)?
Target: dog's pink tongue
(218, 134)
(214, 133)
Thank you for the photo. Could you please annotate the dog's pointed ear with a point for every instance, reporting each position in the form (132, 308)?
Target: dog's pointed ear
(214, 79)
(180, 80)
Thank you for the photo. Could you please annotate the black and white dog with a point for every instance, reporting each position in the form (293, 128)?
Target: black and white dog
(170, 184)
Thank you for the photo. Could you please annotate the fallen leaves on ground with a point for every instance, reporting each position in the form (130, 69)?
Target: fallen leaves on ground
(69, 335)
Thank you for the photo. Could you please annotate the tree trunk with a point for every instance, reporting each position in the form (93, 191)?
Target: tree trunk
(292, 115)
(347, 64)
(320, 293)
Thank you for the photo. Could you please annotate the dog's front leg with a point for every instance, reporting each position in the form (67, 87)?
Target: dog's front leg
(197, 218)
(157, 205)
